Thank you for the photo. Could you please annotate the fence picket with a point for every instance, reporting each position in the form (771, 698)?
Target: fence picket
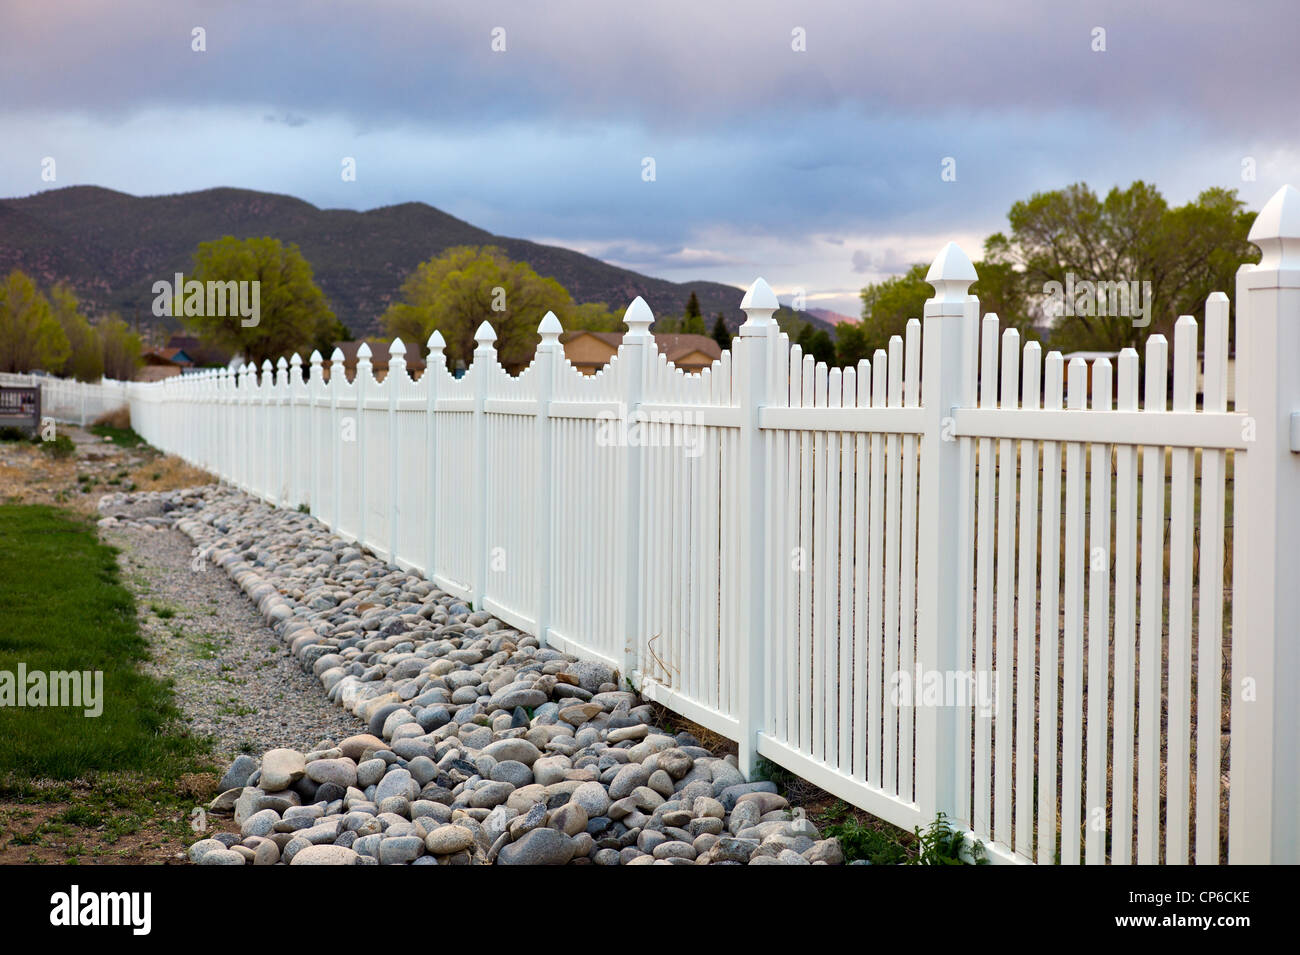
(1098, 631)
(1151, 614)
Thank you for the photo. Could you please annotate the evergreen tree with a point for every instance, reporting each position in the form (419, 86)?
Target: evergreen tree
(721, 334)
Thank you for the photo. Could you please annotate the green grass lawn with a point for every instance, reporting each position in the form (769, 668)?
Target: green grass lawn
(122, 437)
(64, 609)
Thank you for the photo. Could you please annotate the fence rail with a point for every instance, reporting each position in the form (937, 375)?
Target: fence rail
(960, 577)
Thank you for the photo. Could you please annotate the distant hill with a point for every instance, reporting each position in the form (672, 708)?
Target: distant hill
(832, 318)
(111, 247)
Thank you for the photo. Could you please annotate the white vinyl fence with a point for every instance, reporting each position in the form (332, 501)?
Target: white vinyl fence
(71, 401)
(764, 547)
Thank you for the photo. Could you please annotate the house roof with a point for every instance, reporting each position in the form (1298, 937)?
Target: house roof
(378, 353)
(673, 346)
(196, 351)
(160, 356)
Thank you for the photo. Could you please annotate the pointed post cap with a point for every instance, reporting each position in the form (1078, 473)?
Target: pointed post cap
(336, 354)
(315, 357)
(363, 353)
(759, 305)
(397, 347)
(266, 364)
(550, 328)
(282, 364)
(638, 318)
(484, 337)
(1276, 230)
(436, 345)
(951, 274)
(296, 360)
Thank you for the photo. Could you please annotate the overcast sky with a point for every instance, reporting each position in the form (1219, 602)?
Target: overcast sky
(817, 168)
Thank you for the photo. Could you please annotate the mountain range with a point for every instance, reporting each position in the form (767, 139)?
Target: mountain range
(111, 247)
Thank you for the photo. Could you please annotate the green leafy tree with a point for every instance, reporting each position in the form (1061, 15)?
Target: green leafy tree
(592, 317)
(850, 345)
(328, 334)
(86, 355)
(121, 348)
(294, 313)
(816, 342)
(468, 285)
(788, 321)
(888, 305)
(721, 334)
(31, 337)
(1131, 235)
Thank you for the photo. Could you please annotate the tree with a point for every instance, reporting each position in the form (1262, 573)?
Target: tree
(30, 336)
(693, 320)
(850, 345)
(887, 306)
(294, 314)
(1071, 237)
(86, 355)
(788, 320)
(815, 342)
(122, 348)
(328, 334)
(468, 285)
(721, 334)
(592, 317)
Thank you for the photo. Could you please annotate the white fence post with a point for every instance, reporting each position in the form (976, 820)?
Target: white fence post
(434, 366)
(265, 402)
(336, 435)
(396, 373)
(484, 355)
(548, 354)
(752, 354)
(295, 445)
(313, 430)
(245, 443)
(637, 350)
(364, 377)
(940, 611)
(283, 416)
(1265, 757)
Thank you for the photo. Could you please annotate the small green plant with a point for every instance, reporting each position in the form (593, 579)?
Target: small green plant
(60, 446)
(304, 509)
(162, 611)
(860, 841)
(941, 844)
(767, 770)
(10, 433)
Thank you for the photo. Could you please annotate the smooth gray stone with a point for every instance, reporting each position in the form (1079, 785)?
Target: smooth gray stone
(238, 772)
(538, 847)
(400, 850)
(729, 795)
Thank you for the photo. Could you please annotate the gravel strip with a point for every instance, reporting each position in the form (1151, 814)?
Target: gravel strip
(234, 680)
(477, 745)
